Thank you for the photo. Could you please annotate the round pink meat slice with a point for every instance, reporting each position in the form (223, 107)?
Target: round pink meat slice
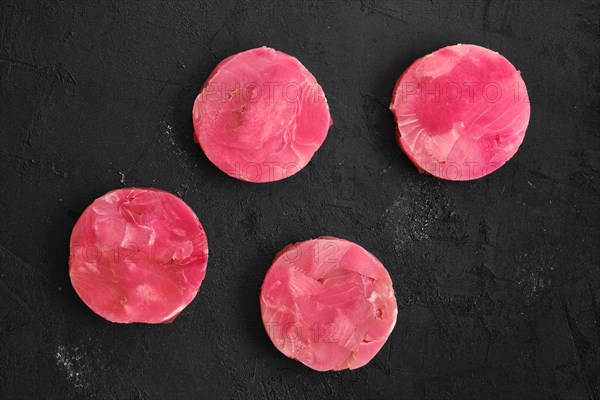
(461, 112)
(138, 255)
(328, 303)
(261, 116)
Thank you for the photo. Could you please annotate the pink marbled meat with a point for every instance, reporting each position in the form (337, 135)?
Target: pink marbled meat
(328, 303)
(261, 116)
(138, 255)
(461, 112)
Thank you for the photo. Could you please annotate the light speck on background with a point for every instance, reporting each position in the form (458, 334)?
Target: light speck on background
(72, 363)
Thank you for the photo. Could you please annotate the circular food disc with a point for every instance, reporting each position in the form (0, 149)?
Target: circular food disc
(328, 303)
(261, 116)
(138, 255)
(461, 112)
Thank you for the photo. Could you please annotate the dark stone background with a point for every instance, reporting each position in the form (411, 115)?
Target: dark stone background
(498, 280)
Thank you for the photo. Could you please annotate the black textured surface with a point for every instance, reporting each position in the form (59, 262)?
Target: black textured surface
(498, 280)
